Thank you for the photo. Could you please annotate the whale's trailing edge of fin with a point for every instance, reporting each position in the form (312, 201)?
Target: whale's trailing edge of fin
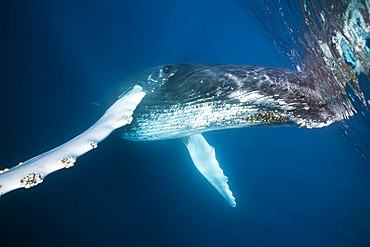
(32, 172)
(204, 158)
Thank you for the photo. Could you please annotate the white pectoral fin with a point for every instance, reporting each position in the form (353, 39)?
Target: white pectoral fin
(32, 172)
(204, 159)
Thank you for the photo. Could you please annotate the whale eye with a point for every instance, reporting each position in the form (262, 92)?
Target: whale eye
(166, 69)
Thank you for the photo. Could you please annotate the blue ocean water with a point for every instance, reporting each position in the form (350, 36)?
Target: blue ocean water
(294, 187)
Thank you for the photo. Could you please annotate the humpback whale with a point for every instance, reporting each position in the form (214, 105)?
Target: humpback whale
(183, 101)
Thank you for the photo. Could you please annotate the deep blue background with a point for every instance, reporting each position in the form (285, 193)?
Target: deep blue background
(294, 187)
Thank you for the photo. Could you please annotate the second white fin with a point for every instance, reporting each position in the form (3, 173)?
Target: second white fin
(204, 158)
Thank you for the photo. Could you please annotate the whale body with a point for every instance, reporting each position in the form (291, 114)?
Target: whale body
(187, 99)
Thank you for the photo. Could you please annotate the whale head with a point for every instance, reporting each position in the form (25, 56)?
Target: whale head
(187, 99)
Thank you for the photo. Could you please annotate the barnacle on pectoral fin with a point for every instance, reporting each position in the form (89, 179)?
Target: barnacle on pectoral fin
(4, 170)
(31, 180)
(94, 144)
(68, 162)
(129, 119)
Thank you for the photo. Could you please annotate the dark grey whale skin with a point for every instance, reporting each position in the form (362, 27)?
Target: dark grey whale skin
(186, 99)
